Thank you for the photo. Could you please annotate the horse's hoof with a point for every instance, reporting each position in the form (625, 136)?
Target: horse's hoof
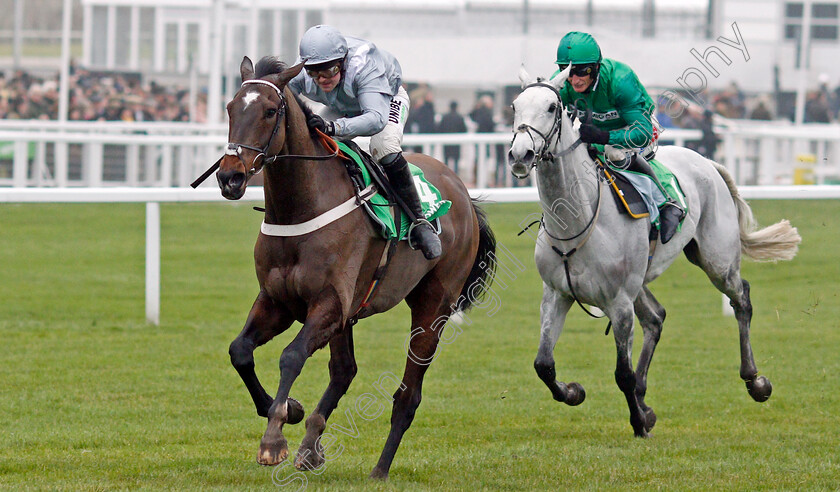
(307, 460)
(310, 454)
(650, 419)
(294, 411)
(378, 474)
(759, 388)
(273, 454)
(575, 394)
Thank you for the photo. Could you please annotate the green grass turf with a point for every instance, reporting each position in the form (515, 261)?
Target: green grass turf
(92, 398)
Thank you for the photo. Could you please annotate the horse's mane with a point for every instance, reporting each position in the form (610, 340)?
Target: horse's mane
(269, 65)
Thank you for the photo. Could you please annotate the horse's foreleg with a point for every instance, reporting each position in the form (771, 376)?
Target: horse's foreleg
(759, 387)
(553, 310)
(622, 322)
(310, 455)
(265, 321)
(651, 314)
(322, 322)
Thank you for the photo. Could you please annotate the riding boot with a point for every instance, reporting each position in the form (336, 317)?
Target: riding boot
(421, 233)
(670, 212)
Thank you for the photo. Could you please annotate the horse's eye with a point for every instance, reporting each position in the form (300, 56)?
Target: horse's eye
(552, 108)
(270, 113)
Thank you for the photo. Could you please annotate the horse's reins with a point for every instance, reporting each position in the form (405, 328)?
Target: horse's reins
(235, 149)
(545, 155)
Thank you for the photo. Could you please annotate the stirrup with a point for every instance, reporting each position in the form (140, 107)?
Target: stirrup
(430, 247)
(417, 222)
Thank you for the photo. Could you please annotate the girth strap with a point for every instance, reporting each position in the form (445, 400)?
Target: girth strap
(384, 261)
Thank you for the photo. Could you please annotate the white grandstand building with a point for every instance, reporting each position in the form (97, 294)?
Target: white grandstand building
(476, 43)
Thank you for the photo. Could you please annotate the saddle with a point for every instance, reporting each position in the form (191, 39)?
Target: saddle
(627, 198)
(363, 171)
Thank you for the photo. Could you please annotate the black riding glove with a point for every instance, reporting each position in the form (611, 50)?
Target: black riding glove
(315, 122)
(590, 133)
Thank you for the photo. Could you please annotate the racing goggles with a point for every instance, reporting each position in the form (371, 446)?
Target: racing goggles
(579, 70)
(326, 73)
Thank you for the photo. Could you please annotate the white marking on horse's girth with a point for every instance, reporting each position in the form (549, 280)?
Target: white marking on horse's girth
(249, 98)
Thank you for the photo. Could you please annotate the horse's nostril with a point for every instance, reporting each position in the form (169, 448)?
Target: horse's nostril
(529, 156)
(237, 180)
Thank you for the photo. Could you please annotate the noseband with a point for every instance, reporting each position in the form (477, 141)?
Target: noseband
(544, 154)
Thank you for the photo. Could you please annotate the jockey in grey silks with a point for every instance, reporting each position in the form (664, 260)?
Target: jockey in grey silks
(363, 83)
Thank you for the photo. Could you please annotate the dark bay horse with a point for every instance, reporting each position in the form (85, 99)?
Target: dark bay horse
(321, 277)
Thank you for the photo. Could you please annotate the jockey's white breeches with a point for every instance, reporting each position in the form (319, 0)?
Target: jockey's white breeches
(389, 140)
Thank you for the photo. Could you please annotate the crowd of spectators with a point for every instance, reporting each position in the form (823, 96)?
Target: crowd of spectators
(123, 97)
(821, 106)
(97, 97)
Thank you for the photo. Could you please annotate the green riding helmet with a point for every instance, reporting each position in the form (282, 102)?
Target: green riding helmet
(578, 48)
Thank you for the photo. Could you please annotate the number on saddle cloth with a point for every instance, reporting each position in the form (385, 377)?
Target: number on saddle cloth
(379, 206)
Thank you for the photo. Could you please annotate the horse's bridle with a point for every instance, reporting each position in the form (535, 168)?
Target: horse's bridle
(554, 132)
(235, 149)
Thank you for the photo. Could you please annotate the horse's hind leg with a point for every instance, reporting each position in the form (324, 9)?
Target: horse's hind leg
(553, 310)
(729, 281)
(622, 322)
(322, 322)
(310, 455)
(651, 314)
(265, 321)
(430, 309)
(759, 387)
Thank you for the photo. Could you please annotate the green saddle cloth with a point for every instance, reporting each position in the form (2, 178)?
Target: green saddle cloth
(434, 205)
(669, 182)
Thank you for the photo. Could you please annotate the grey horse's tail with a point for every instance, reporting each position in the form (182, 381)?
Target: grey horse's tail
(779, 241)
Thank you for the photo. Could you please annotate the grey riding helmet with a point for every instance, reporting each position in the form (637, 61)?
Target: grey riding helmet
(322, 44)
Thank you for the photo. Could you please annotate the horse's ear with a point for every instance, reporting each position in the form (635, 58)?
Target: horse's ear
(524, 77)
(560, 78)
(246, 69)
(283, 78)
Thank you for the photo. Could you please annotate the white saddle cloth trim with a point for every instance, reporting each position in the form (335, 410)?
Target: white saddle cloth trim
(318, 222)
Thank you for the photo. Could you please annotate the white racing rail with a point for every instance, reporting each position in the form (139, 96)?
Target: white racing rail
(154, 196)
(159, 154)
(162, 154)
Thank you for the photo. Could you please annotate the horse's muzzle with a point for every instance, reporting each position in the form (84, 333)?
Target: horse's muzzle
(521, 164)
(521, 156)
(232, 183)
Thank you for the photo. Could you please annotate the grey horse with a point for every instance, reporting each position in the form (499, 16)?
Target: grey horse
(587, 251)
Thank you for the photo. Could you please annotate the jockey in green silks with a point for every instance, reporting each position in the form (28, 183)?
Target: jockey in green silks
(622, 113)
